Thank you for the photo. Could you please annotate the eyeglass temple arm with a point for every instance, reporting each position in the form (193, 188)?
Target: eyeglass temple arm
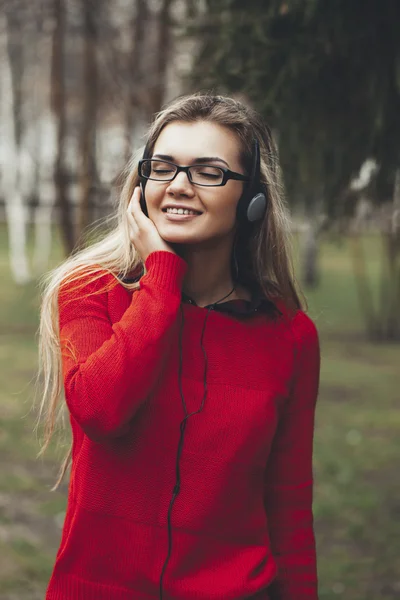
(238, 176)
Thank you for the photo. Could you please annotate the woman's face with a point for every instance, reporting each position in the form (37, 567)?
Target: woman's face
(186, 144)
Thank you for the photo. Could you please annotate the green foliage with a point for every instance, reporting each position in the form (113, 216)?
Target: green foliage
(324, 73)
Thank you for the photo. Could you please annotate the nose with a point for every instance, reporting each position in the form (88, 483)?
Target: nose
(181, 186)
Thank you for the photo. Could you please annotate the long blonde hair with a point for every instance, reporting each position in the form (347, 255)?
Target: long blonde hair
(263, 250)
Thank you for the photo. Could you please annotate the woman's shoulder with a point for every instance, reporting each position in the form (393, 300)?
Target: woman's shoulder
(300, 323)
(84, 293)
(304, 326)
(305, 333)
(86, 281)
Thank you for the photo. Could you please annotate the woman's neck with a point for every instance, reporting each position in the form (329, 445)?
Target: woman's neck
(209, 278)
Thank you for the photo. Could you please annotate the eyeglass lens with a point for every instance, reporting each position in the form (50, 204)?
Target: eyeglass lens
(164, 171)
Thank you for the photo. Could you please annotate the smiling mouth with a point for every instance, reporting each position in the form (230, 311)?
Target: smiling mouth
(180, 218)
(181, 212)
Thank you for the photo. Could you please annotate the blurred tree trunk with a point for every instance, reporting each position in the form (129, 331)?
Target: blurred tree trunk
(162, 55)
(310, 237)
(390, 301)
(193, 9)
(364, 291)
(46, 142)
(59, 109)
(88, 136)
(309, 257)
(15, 203)
(135, 72)
(381, 315)
(15, 55)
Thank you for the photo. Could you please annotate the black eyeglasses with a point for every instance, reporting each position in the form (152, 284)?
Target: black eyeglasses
(207, 175)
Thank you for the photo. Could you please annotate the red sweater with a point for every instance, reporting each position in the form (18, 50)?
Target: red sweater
(242, 523)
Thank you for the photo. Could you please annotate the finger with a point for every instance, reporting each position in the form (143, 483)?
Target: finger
(137, 211)
(134, 199)
(132, 222)
(130, 214)
(133, 209)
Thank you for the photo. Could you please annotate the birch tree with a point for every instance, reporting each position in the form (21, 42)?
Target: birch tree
(58, 106)
(10, 134)
(88, 132)
(47, 146)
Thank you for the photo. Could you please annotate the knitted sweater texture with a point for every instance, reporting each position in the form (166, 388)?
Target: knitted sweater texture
(242, 524)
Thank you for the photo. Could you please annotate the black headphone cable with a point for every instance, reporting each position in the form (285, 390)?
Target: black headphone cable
(183, 425)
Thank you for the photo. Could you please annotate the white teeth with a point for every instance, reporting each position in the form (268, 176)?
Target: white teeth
(181, 211)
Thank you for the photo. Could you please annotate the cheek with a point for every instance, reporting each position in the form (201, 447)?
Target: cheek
(225, 205)
(224, 212)
(153, 194)
(220, 219)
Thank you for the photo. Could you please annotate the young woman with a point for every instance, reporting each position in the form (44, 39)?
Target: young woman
(190, 376)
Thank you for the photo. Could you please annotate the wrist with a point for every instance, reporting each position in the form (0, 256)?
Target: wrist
(166, 270)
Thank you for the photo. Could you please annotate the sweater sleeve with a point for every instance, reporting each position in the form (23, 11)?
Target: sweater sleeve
(289, 475)
(109, 369)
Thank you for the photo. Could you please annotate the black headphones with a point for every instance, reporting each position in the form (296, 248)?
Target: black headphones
(253, 202)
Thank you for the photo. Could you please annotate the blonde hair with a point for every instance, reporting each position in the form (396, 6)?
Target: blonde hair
(263, 252)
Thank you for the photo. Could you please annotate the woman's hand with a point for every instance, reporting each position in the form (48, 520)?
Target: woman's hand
(142, 231)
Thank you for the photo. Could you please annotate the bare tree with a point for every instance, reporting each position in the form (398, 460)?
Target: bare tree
(45, 125)
(59, 109)
(162, 55)
(135, 72)
(88, 137)
(15, 203)
(380, 311)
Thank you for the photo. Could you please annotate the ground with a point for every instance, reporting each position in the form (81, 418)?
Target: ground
(357, 487)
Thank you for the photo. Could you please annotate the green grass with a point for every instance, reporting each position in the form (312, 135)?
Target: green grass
(357, 487)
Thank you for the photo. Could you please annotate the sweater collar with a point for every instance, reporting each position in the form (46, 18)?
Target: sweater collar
(240, 308)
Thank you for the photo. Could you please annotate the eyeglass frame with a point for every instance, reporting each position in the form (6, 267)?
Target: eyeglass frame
(227, 173)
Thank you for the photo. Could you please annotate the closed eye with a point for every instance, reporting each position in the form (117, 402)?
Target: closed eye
(209, 175)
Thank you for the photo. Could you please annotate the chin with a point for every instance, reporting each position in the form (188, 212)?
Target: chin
(183, 238)
(187, 235)
(180, 233)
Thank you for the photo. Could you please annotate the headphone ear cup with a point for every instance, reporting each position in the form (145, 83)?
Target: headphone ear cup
(256, 208)
(253, 203)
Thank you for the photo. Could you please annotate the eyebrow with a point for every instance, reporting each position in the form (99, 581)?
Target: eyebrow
(199, 160)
